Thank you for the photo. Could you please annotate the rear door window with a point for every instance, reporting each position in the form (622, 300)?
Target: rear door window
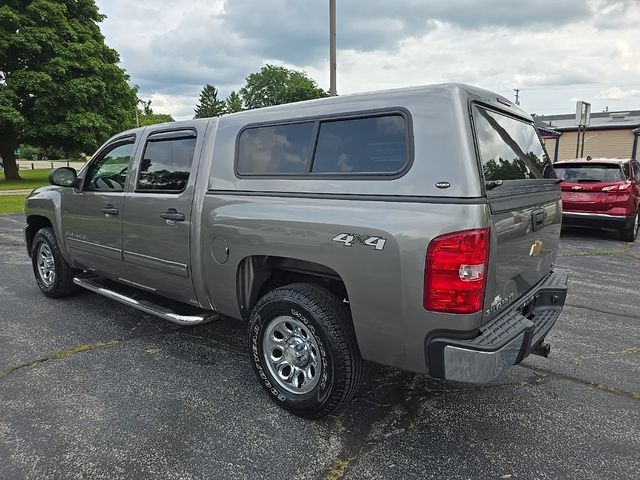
(510, 149)
(166, 164)
(589, 172)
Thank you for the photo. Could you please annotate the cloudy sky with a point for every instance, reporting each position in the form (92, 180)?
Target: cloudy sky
(554, 51)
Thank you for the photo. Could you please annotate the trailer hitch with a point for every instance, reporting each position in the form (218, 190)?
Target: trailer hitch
(542, 349)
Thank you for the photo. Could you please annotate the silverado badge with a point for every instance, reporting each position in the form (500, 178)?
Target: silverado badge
(536, 248)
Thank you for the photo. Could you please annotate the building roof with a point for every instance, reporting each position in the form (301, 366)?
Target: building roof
(599, 120)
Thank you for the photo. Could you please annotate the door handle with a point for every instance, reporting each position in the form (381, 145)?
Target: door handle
(173, 214)
(110, 210)
(537, 219)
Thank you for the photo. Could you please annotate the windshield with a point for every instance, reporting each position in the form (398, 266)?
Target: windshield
(583, 172)
(510, 149)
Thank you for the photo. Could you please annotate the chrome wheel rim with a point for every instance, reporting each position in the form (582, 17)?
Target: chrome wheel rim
(46, 265)
(292, 355)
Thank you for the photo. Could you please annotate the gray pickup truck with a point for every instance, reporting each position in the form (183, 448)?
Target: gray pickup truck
(416, 228)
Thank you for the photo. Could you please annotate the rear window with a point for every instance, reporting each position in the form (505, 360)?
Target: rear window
(589, 172)
(510, 149)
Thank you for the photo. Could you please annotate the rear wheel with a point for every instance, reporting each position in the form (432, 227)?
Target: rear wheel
(53, 274)
(631, 233)
(304, 350)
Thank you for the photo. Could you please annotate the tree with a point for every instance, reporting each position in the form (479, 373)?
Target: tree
(60, 85)
(234, 102)
(147, 117)
(209, 105)
(274, 85)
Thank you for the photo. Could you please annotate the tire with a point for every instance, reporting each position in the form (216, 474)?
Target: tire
(53, 274)
(631, 233)
(311, 330)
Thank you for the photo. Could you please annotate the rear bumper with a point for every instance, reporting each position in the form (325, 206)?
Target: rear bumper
(596, 220)
(503, 342)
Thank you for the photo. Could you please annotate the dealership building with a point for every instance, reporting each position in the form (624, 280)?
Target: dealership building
(609, 135)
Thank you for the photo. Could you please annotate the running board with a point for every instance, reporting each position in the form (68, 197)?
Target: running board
(146, 302)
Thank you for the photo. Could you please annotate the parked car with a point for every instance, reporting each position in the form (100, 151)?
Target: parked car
(416, 228)
(601, 193)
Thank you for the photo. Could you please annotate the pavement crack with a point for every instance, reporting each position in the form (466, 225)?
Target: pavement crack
(599, 386)
(600, 252)
(60, 355)
(597, 310)
(85, 347)
(395, 405)
(582, 358)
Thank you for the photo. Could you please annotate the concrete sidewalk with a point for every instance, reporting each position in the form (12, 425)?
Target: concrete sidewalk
(22, 191)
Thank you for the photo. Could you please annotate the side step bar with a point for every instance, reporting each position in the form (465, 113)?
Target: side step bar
(146, 302)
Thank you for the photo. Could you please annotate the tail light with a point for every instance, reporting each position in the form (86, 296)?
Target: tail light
(620, 188)
(455, 272)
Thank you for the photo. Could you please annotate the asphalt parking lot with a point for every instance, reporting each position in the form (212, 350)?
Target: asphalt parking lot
(93, 389)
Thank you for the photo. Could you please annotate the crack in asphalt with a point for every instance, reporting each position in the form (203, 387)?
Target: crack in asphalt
(598, 386)
(403, 393)
(606, 312)
(60, 355)
(85, 347)
(628, 351)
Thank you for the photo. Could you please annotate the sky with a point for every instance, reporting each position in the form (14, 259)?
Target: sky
(554, 51)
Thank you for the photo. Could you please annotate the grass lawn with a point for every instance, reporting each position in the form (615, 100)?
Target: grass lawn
(30, 179)
(12, 203)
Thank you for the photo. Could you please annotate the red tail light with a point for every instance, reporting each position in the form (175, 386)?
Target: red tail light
(620, 188)
(455, 272)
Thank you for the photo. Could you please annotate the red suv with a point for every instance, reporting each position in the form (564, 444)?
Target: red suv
(601, 193)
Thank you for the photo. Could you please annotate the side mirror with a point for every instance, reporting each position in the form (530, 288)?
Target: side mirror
(63, 176)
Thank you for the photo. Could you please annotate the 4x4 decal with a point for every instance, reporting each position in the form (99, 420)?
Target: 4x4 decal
(349, 239)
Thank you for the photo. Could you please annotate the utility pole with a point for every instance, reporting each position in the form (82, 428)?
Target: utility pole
(517, 90)
(332, 48)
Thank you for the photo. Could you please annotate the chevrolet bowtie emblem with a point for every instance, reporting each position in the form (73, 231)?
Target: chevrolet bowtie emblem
(536, 248)
(577, 187)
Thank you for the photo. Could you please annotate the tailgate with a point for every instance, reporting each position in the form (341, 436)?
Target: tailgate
(524, 242)
(524, 206)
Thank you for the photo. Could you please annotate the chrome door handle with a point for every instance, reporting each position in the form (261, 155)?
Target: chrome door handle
(110, 210)
(173, 214)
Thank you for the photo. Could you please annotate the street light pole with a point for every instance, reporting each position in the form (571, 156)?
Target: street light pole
(332, 48)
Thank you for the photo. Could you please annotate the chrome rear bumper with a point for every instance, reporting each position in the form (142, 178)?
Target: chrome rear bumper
(503, 342)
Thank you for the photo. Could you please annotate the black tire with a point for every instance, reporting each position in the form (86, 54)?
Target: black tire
(631, 233)
(328, 321)
(61, 285)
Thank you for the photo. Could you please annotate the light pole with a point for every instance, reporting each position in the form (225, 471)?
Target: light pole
(332, 48)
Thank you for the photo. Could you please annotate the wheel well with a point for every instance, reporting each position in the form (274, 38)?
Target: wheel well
(35, 223)
(260, 274)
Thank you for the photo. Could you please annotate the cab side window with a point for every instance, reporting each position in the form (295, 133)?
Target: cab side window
(166, 165)
(109, 172)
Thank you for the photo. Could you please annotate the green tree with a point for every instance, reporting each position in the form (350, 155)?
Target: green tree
(60, 85)
(274, 85)
(147, 117)
(209, 105)
(234, 102)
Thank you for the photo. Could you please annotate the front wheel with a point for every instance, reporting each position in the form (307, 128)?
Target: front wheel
(304, 351)
(53, 274)
(631, 233)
